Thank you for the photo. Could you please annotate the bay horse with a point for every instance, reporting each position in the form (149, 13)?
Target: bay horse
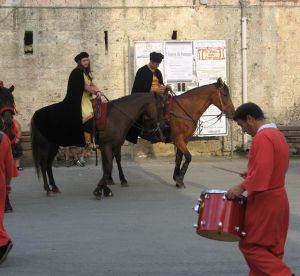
(187, 109)
(122, 113)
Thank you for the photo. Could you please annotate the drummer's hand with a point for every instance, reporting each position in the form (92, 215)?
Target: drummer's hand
(243, 174)
(235, 191)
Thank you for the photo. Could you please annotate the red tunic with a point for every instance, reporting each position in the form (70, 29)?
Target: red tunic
(7, 170)
(267, 213)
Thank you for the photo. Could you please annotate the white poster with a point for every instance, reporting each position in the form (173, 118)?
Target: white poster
(142, 50)
(210, 64)
(194, 63)
(210, 60)
(178, 61)
(211, 126)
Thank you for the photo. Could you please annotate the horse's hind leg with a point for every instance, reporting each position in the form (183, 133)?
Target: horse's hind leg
(43, 167)
(123, 180)
(52, 153)
(178, 161)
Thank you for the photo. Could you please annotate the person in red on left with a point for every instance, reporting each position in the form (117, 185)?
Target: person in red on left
(7, 171)
(17, 152)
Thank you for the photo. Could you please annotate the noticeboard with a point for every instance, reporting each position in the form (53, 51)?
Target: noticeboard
(190, 64)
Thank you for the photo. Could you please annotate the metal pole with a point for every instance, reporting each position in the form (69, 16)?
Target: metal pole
(132, 146)
(244, 61)
(228, 49)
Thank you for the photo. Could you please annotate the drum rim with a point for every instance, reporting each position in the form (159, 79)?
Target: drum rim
(219, 191)
(213, 191)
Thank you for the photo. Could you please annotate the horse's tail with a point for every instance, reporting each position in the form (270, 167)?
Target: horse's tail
(36, 141)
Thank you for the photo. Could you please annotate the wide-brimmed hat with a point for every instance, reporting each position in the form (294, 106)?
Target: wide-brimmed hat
(81, 56)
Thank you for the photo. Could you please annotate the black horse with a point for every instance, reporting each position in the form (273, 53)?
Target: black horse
(7, 111)
(121, 115)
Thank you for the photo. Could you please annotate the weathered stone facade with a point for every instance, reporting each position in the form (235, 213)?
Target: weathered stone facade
(63, 28)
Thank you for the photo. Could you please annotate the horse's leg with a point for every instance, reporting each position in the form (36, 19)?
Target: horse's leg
(178, 161)
(110, 180)
(51, 155)
(43, 167)
(181, 145)
(123, 180)
(107, 158)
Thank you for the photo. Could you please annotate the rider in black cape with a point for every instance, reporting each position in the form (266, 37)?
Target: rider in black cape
(148, 79)
(62, 123)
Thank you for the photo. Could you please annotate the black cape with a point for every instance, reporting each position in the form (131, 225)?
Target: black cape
(143, 80)
(142, 83)
(61, 123)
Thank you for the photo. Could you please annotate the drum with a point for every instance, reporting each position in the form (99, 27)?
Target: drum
(219, 218)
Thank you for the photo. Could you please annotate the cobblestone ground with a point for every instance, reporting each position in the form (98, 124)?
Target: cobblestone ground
(145, 229)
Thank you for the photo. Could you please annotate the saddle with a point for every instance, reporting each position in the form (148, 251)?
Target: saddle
(100, 114)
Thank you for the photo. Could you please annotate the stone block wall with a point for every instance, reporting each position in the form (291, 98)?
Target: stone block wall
(61, 29)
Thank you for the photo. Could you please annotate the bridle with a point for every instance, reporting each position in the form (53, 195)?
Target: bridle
(220, 97)
(188, 117)
(7, 108)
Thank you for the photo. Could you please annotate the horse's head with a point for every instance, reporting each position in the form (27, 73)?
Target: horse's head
(7, 110)
(155, 112)
(222, 99)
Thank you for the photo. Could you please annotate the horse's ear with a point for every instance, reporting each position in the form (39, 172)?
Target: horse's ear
(11, 89)
(220, 83)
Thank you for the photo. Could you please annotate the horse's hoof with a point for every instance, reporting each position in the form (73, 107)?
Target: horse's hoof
(97, 193)
(107, 192)
(50, 193)
(180, 186)
(124, 183)
(56, 190)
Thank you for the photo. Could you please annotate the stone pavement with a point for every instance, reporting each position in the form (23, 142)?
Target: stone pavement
(145, 229)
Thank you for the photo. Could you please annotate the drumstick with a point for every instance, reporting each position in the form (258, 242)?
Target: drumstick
(227, 170)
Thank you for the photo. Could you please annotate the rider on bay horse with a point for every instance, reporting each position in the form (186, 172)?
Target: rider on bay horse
(148, 79)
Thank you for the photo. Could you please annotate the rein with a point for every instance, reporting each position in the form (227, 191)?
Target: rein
(178, 116)
(138, 126)
(189, 117)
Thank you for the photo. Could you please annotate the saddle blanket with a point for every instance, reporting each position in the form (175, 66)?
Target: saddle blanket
(100, 114)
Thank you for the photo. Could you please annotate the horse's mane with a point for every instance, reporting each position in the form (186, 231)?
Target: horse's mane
(199, 89)
(125, 98)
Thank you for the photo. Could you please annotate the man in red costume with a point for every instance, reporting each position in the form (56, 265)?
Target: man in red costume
(267, 212)
(7, 171)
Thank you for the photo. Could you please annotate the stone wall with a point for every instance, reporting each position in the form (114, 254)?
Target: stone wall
(61, 29)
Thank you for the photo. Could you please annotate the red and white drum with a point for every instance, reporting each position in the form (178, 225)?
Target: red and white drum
(219, 218)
